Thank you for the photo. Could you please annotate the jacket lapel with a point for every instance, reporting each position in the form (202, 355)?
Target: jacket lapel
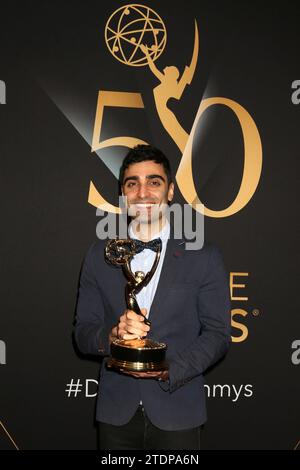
(174, 253)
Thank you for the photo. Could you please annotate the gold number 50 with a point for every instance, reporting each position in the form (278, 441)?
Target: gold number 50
(184, 177)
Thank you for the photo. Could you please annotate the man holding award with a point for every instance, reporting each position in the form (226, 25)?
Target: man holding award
(157, 312)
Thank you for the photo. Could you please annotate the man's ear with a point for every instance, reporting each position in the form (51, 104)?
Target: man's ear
(171, 192)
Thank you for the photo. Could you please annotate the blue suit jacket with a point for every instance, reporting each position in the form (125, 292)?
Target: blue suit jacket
(190, 313)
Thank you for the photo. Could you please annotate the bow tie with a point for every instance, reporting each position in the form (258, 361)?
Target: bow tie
(153, 245)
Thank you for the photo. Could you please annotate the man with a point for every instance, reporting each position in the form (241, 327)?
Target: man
(188, 304)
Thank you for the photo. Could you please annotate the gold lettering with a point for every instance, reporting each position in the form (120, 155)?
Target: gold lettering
(232, 285)
(239, 326)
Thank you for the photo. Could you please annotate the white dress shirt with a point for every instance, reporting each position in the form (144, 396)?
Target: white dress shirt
(144, 260)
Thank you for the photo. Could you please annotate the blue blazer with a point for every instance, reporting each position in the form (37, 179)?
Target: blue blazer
(190, 313)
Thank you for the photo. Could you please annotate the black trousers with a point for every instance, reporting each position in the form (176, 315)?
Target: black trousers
(140, 433)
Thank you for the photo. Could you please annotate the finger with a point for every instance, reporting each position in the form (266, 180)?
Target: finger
(125, 329)
(133, 374)
(136, 331)
(153, 374)
(121, 330)
(128, 336)
(134, 324)
(124, 334)
(142, 375)
(144, 311)
(131, 315)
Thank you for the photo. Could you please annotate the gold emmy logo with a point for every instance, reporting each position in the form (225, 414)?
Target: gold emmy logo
(136, 36)
(129, 27)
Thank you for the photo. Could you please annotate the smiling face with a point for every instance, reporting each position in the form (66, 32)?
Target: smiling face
(145, 184)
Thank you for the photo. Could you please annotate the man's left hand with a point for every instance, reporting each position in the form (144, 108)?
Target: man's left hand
(159, 375)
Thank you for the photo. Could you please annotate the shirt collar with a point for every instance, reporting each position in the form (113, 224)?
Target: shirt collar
(164, 234)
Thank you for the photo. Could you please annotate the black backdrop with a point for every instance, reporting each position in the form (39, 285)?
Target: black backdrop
(53, 60)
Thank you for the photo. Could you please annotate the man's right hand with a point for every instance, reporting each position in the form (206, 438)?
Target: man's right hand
(130, 326)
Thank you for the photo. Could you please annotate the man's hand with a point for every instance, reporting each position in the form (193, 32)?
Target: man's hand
(130, 326)
(159, 375)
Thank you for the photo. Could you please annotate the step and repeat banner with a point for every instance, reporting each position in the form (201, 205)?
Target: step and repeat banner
(215, 86)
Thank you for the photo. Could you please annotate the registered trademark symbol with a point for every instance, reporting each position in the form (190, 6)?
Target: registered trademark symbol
(255, 312)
